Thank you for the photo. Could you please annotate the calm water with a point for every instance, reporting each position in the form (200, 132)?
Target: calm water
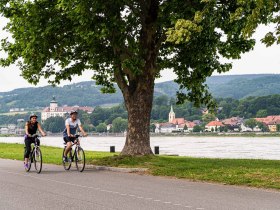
(213, 147)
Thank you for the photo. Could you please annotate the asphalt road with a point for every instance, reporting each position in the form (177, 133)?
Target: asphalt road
(55, 188)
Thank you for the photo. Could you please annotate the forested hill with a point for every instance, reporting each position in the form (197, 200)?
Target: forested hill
(88, 93)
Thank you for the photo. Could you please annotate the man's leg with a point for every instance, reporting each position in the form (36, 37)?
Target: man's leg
(68, 148)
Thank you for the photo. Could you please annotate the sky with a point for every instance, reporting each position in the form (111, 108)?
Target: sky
(261, 60)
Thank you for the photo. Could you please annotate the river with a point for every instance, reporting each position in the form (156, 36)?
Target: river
(211, 147)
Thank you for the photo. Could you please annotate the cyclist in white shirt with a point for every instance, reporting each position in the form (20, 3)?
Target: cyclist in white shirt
(71, 126)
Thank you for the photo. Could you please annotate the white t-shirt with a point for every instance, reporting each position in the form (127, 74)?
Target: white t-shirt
(73, 126)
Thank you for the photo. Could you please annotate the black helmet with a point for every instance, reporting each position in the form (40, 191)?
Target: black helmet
(73, 112)
(32, 115)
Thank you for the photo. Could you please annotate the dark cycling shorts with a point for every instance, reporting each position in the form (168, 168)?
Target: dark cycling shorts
(69, 139)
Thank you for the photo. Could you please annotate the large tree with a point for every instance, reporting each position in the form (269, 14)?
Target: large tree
(127, 42)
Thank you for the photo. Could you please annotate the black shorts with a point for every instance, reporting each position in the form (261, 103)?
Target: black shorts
(69, 139)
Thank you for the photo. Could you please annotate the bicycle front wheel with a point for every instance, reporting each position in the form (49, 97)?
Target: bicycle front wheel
(80, 159)
(67, 163)
(38, 160)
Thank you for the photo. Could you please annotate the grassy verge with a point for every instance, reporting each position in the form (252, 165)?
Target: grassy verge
(50, 154)
(254, 173)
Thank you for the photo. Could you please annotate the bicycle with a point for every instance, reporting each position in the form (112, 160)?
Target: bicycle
(78, 156)
(35, 156)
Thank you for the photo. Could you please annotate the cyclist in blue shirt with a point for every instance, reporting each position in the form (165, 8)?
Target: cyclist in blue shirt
(71, 126)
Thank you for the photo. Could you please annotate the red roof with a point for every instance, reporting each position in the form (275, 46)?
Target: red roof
(190, 124)
(178, 121)
(215, 123)
(274, 119)
(232, 121)
(69, 108)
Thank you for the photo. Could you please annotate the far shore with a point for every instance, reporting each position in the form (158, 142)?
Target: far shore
(205, 134)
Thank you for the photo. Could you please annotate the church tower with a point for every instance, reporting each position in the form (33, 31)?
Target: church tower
(171, 115)
(53, 105)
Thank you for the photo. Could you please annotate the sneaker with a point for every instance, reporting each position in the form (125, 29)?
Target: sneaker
(65, 159)
(26, 166)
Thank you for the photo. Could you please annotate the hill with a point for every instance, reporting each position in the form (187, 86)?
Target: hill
(88, 93)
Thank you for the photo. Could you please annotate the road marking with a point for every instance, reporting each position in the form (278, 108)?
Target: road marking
(100, 190)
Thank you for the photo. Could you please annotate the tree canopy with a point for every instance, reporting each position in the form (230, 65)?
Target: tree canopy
(129, 42)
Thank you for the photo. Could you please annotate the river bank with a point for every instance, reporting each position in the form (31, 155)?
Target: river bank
(180, 134)
(198, 146)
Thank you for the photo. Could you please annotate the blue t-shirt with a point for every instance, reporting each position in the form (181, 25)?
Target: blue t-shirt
(73, 126)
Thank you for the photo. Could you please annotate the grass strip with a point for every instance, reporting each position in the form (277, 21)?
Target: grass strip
(245, 172)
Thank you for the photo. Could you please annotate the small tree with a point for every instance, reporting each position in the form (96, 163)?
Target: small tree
(208, 118)
(185, 127)
(101, 128)
(263, 127)
(262, 113)
(152, 128)
(212, 129)
(119, 125)
(54, 124)
(251, 123)
(225, 128)
(196, 129)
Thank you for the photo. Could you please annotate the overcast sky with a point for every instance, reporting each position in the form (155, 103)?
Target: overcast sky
(260, 60)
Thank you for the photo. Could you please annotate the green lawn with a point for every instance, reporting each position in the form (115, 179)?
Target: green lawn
(254, 173)
(50, 154)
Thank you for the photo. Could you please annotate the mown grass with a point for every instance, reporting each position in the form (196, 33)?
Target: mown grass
(51, 155)
(254, 173)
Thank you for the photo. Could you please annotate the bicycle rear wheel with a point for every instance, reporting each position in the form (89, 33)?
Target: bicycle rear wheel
(37, 158)
(80, 159)
(67, 164)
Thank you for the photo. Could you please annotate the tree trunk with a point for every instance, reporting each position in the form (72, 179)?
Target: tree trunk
(139, 106)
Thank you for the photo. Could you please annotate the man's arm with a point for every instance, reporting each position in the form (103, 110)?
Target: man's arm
(41, 130)
(68, 130)
(82, 130)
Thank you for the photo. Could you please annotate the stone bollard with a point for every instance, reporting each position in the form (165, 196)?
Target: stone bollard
(112, 149)
(156, 150)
